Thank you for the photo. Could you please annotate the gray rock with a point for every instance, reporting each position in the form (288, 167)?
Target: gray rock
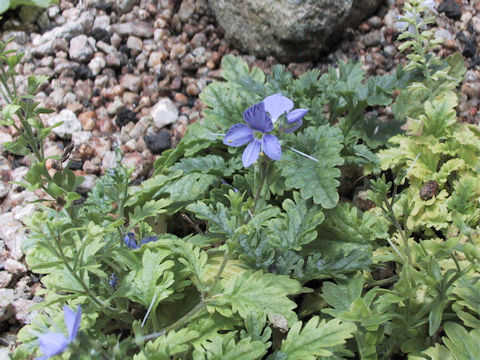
(134, 43)
(88, 183)
(22, 311)
(69, 126)
(164, 112)
(441, 33)
(7, 297)
(4, 137)
(3, 190)
(15, 267)
(13, 234)
(291, 30)
(373, 38)
(96, 65)
(5, 278)
(67, 31)
(124, 6)
(186, 10)
(137, 28)
(102, 22)
(80, 49)
(131, 82)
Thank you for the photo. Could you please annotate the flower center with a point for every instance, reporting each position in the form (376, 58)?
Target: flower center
(258, 135)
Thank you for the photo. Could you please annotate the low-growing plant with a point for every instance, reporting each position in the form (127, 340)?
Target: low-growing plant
(6, 5)
(239, 245)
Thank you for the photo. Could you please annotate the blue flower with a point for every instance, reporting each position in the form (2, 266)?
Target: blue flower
(132, 243)
(259, 120)
(52, 344)
(148, 239)
(113, 280)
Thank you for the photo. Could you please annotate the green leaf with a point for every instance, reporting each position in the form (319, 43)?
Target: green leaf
(153, 281)
(225, 348)
(4, 6)
(259, 292)
(219, 219)
(435, 317)
(297, 226)
(346, 223)
(190, 187)
(463, 345)
(438, 352)
(150, 209)
(315, 339)
(341, 296)
(168, 345)
(439, 115)
(205, 164)
(314, 178)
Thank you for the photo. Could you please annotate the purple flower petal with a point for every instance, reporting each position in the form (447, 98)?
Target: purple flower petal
(271, 147)
(52, 344)
(148, 239)
(251, 152)
(257, 118)
(238, 135)
(130, 241)
(276, 105)
(72, 321)
(113, 280)
(294, 126)
(296, 115)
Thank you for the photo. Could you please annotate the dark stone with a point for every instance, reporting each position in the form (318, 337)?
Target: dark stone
(100, 35)
(75, 165)
(102, 5)
(159, 142)
(124, 49)
(470, 48)
(125, 116)
(82, 72)
(451, 9)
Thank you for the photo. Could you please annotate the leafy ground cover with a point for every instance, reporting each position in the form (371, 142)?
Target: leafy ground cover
(240, 246)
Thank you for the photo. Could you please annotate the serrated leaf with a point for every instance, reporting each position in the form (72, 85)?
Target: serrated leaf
(263, 293)
(168, 345)
(153, 280)
(225, 348)
(341, 296)
(219, 219)
(204, 164)
(462, 344)
(315, 178)
(297, 225)
(315, 338)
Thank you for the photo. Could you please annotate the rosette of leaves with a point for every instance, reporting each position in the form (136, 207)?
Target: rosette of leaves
(436, 158)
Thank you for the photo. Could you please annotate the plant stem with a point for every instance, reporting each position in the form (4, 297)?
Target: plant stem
(400, 230)
(78, 279)
(197, 309)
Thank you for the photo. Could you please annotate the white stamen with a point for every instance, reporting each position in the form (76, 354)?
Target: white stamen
(303, 154)
(149, 309)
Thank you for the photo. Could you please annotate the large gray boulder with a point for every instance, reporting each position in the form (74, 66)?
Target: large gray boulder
(290, 30)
